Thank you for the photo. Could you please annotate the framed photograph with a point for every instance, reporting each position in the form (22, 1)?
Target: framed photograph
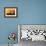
(10, 12)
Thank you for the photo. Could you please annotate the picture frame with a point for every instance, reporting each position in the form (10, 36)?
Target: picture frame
(10, 12)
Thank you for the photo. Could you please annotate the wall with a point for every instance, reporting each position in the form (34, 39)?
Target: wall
(29, 12)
